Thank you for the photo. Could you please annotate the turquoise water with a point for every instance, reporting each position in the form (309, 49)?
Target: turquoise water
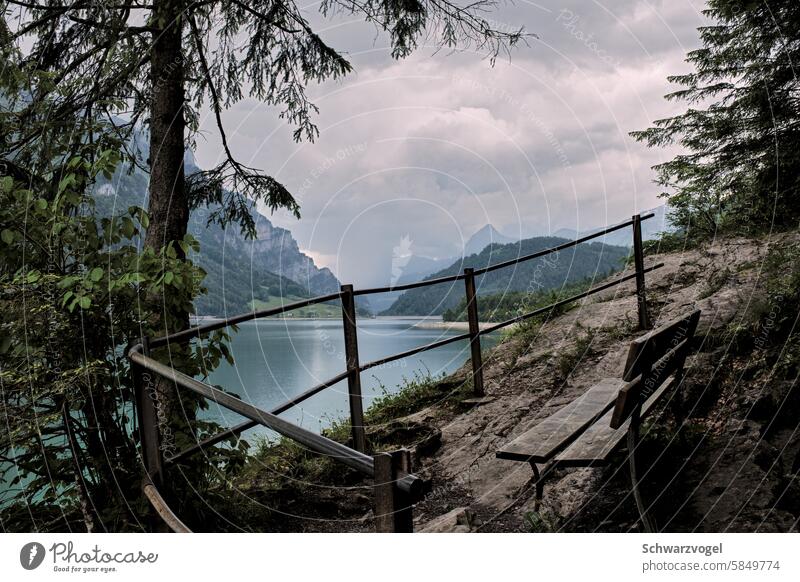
(278, 359)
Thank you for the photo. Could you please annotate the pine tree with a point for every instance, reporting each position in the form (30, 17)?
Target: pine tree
(740, 169)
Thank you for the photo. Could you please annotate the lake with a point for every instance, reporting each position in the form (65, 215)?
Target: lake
(276, 359)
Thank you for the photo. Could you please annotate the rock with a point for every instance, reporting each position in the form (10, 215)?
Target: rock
(459, 520)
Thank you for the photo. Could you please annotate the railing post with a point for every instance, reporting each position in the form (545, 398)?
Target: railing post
(638, 260)
(353, 371)
(393, 507)
(474, 333)
(145, 394)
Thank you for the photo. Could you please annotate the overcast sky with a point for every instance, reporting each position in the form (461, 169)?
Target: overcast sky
(436, 146)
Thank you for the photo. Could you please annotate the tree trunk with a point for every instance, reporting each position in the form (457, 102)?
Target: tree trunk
(168, 206)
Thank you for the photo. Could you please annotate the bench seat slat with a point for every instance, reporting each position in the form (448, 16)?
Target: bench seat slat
(598, 442)
(543, 441)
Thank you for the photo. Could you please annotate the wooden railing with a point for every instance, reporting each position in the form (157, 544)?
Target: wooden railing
(395, 488)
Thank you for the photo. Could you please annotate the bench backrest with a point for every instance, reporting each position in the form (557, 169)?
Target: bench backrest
(652, 359)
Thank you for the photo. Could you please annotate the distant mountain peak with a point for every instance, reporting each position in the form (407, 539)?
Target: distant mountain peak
(484, 237)
(651, 229)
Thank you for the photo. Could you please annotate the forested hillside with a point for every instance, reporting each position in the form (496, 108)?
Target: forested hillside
(593, 261)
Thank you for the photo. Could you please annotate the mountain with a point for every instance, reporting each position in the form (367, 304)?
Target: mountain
(651, 228)
(241, 274)
(246, 274)
(483, 238)
(409, 268)
(570, 265)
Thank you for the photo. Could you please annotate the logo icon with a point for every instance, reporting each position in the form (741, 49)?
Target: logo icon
(31, 555)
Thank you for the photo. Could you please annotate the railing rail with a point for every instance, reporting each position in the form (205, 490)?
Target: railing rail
(395, 487)
(162, 509)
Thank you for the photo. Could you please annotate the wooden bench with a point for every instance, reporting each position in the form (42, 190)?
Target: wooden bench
(588, 430)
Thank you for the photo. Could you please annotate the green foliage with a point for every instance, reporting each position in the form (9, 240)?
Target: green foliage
(542, 521)
(671, 242)
(741, 168)
(777, 316)
(414, 394)
(556, 270)
(75, 289)
(525, 333)
(420, 391)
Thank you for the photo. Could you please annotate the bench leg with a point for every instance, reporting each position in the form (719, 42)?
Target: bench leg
(633, 445)
(538, 481)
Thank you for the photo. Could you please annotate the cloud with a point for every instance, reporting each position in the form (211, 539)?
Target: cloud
(437, 145)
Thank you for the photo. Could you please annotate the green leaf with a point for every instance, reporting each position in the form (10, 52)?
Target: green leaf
(96, 274)
(168, 277)
(67, 282)
(85, 302)
(66, 182)
(128, 229)
(7, 236)
(67, 297)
